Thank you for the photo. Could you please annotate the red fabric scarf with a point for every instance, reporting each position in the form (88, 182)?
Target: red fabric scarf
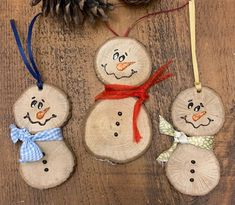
(116, 91)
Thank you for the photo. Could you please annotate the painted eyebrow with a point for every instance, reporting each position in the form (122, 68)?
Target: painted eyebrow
(190, 100)
(33, 98)
(126, 53)
(43, 100)
(201, 104)
(116, 50)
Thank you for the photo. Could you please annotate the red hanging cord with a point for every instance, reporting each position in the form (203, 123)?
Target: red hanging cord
(143, 17)
(110, 28)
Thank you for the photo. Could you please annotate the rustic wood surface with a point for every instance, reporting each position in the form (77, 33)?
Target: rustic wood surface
(65, 58)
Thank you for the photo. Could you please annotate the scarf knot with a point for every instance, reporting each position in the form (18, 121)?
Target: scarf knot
(22, 135)
(29, 150)
(204, 142)
(141, 94)
(116, 91)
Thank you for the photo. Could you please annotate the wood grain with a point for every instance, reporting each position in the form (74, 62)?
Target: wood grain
(65, 58)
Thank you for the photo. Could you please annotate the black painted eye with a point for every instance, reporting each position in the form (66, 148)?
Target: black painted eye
(197, 108)
(40, 105)
(190, 105)
(115, 56)
(122, 58)
(34, 103)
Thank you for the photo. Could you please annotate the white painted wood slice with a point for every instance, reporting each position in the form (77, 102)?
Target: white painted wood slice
(39, 110)
(198, 114)
(123, 60)
(109, 131)
(52, 170)
(192, 170)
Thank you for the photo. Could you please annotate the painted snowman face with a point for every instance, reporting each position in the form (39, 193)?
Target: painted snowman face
(39, 110)
(123, 61)
(198, 114)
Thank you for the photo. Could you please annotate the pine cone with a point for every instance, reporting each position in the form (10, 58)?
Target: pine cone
(137, 2)
(74, 11)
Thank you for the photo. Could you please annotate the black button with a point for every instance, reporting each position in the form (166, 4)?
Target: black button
(120, 113)
(43, 154)
(46, 169)
(115, 134)
(192, 179)
(192, 171)
(117, 123)
(193, 161)
(44, 161)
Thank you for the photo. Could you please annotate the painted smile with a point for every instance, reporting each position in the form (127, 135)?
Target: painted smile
(203, 125)
(37, 122)
(104, 66)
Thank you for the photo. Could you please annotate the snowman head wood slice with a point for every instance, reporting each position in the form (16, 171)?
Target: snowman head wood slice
(40, 112)
(198, 113)
(112, 131)
(123, 60)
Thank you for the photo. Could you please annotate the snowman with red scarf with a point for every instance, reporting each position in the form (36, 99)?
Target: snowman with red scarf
(118, 127)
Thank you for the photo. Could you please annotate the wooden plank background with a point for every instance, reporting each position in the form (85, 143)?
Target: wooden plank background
(65, 58)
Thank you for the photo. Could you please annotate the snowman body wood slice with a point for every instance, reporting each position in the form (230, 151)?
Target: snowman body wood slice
(38, 111)
(108, 130)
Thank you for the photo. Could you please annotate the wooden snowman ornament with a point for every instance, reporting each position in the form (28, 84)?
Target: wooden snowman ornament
(197, 114)
(40, 112)
(118, 127)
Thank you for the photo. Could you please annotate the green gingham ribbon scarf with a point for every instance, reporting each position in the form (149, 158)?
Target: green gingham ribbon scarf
(204, 142)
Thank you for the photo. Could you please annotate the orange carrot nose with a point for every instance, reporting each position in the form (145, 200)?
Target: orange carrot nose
(198, 115)
(41, 114)
(124, 65)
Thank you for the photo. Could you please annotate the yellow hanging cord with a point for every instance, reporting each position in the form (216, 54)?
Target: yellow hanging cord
(192, 21)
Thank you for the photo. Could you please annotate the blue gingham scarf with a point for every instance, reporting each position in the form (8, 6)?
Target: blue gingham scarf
(29, 150)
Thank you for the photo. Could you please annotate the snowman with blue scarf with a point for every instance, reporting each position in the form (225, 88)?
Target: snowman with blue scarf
(45, 160)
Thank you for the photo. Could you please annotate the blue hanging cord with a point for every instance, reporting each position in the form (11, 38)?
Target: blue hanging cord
(32, 68)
